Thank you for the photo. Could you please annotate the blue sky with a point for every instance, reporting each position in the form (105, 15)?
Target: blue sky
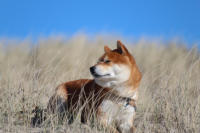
(137, 18)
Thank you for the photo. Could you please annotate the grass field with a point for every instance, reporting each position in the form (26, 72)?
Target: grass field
(169, 94)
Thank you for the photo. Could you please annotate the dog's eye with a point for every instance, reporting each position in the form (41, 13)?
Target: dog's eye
(107, 61)
(100, 61)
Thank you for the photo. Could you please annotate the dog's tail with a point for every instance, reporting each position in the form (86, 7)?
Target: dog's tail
(39, 116)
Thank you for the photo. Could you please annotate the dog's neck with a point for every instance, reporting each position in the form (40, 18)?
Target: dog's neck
(126, 91)
(121, 89)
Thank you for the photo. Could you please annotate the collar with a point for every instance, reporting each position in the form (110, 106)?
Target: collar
(130, 102)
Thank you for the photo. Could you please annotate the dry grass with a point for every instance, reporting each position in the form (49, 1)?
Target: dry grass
(169, 100)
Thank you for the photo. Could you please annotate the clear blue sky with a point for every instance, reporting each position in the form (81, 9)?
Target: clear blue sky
(137, 18)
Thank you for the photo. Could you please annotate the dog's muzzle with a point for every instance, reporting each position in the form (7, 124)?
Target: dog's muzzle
(96, 75)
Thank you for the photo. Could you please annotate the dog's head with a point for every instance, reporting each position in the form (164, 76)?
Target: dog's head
(115, 67)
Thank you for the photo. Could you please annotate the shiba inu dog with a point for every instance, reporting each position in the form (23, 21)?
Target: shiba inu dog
(112, 93)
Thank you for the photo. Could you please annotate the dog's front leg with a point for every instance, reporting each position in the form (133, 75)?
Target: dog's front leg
(125, 120)
(105, 119)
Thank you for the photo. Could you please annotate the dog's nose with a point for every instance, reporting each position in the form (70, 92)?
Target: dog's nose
(92, 69)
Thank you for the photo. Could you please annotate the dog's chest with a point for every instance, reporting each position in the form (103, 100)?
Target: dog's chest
(117, 112)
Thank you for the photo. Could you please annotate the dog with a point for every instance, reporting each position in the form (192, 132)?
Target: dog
(112, 93)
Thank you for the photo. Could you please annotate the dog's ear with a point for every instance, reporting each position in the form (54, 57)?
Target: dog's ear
(106, 49)
(120, 46)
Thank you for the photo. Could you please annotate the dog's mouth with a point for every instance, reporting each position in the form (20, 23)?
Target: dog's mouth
(96, 75)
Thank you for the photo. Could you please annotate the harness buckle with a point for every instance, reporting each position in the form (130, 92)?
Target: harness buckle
(131, 102)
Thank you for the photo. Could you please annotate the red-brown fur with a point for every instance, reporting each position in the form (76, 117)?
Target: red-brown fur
(75, 93)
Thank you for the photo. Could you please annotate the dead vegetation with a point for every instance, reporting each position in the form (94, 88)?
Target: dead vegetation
(169, 95)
